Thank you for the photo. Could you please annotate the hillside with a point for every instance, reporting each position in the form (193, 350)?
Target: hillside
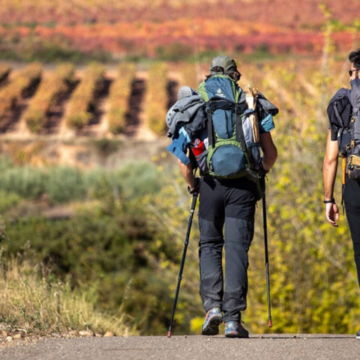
(133, 105)
(110, 30)
(112, 208)
(300, 15)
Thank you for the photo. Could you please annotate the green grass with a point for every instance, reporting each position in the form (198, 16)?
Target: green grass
(28, 299)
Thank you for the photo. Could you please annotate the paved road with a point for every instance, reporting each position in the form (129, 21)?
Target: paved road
(270, 347)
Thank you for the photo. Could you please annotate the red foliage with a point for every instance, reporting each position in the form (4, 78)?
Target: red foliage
(296, 14)
(198, 34)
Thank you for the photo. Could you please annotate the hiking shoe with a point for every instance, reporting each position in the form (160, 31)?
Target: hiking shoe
(235, 330)
(212, 321)
(358, 335)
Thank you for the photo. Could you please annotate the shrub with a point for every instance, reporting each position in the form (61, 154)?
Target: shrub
(14, 91)
(189, 75)
(83, 99)
(4, 72)
(117, 249)
(157, 98)
(119, 97)
(27, 182)
(8, 200)
(49, 93)
(65, 184)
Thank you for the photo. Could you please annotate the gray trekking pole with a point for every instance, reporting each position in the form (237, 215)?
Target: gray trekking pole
(193, 204)
(266, 251)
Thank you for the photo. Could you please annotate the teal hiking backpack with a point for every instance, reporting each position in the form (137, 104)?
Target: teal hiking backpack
(232, 151)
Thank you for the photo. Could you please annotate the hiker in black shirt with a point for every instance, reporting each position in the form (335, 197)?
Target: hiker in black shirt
(342, 107)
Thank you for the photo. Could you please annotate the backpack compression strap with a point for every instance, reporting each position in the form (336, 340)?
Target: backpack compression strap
(239, 129)
(210, 127)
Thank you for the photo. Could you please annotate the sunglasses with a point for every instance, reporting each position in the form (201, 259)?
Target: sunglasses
(352, 70)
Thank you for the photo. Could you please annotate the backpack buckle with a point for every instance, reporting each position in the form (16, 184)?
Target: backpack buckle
(352, 143)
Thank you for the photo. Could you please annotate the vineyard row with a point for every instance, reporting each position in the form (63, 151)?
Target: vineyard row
(45, 102)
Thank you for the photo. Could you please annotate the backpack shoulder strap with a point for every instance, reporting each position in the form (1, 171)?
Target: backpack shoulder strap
(338, 115)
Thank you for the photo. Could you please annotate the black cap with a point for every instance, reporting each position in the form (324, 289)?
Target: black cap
(226, 62)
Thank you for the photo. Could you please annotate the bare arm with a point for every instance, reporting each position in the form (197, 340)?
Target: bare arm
(269, 149)
(187, 173)
(329, 175)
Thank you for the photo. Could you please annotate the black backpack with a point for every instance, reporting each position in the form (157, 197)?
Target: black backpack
(344, 116)
(339, 113)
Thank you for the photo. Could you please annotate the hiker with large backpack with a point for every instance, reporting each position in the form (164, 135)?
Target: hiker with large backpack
(343, 141)
(228, 153)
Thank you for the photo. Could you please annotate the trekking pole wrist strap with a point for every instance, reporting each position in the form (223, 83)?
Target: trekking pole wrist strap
(332, 201)
(195, 190)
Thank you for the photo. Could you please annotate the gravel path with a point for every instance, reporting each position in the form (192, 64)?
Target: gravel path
(190, 347)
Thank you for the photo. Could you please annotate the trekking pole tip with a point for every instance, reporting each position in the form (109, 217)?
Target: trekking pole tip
(169, 334)
(270, 323)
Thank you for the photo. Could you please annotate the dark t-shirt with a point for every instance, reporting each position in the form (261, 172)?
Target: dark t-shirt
(341, 102)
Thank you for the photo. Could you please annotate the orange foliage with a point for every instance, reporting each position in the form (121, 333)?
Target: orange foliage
(23, 31)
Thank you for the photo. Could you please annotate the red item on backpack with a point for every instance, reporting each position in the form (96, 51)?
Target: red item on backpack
(198, 147)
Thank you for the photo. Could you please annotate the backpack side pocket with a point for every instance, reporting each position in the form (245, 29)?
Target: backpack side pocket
(353, 167)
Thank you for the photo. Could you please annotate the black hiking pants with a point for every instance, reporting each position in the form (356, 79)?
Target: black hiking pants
(352, 207)
(230, 203)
